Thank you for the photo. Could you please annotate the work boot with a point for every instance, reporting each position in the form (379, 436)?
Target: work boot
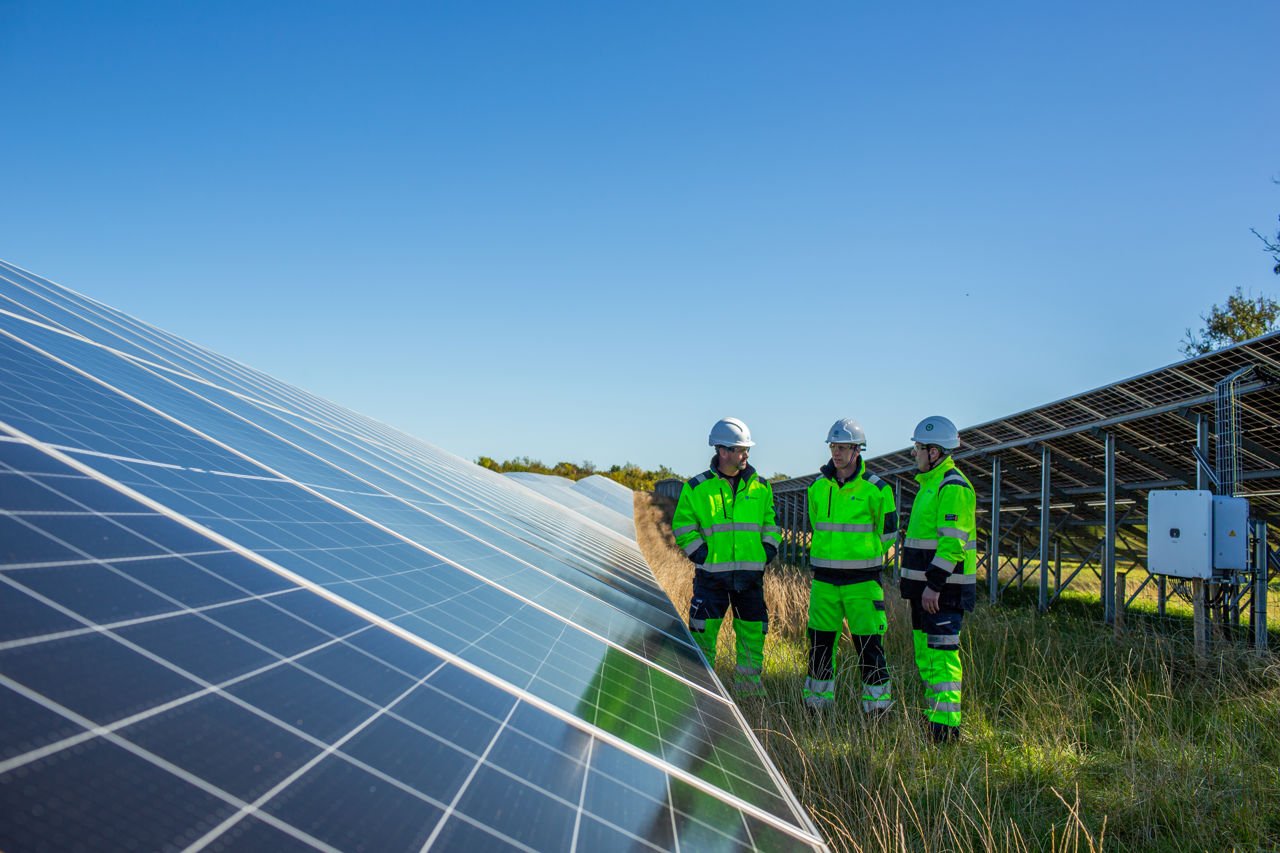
(940, 734)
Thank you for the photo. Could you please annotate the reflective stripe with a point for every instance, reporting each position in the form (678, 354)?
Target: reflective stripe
(869, 563)
(935, 640)
(693, 546)
(888, 537)
(683, 530)
(735, 526)
(971, 546)
(746, 670)
(944, 685)
(743, 566)
(945, 706)
(818, 702)
(922, 544)
(955, 578)
(875, 690)
(813, 685)
(944, 564)
(777, 531)
(697, 625)
(877, 705)
(954, 533)
(843, 528)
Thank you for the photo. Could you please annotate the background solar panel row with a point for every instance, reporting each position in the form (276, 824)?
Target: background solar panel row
(232, 614)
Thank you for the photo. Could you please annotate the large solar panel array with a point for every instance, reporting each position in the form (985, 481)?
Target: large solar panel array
(1152, 419)
(233, 615)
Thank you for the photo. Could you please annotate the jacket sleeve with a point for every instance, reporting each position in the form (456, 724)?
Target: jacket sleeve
(888, 519)
(769, 532)
(955, 518)
(684, 524)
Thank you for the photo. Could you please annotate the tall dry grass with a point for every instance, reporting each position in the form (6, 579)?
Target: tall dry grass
(1072, 740)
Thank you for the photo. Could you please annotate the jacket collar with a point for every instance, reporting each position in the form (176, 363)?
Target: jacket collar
(829, 470)
(937, 472)
(743, 476)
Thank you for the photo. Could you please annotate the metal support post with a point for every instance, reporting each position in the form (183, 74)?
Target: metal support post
(1057, 568)
(1260, 570)
(1109, 545)
(786, 529)
(993, 550)
(1200, 619)
(1044, 528)
(794, 532)
(1202, 442)
(1118, 606)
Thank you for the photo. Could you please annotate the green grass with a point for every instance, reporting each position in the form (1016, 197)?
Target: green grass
(1072, 740)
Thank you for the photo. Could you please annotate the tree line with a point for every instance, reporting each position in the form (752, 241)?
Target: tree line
(629, 475)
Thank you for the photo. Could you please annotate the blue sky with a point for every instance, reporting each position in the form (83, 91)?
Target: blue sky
(586, 231)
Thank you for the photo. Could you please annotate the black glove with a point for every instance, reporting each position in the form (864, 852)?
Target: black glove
(699, 556)
(770, 551)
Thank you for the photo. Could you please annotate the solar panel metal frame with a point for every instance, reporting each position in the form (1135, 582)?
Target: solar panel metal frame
(1153, 420)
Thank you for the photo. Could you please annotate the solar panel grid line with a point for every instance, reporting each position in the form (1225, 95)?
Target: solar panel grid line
(309, 652)
(547, 707)
(7, 572)
(451, 808)
(123, 350)
(582, 798)
(113, 628)
(60, 301)
(160, 762)
(103, 731)
(258, 464)
(391, 473)
(255, 808)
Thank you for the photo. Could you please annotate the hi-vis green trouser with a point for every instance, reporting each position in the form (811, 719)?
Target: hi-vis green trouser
(713, 593)
(936, 637)
(862, 604)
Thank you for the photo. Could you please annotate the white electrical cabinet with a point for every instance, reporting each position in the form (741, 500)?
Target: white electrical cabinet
(1192, 533)
(1180, 533)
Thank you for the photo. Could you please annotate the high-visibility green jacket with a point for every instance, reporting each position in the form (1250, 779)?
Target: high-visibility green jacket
(941, 547)
(733, 525)
(853, 524)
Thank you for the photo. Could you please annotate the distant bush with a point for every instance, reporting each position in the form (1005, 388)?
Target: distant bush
(629, 475)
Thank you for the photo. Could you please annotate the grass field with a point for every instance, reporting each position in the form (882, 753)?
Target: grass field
(1073, 740)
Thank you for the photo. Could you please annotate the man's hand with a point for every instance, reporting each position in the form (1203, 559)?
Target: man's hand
(929, 600)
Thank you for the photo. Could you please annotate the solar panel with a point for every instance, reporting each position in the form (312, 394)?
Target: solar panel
(596, 502)
(234, 615)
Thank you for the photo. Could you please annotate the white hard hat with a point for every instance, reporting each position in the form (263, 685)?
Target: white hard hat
(938, 430)
(730, 432)
(847, 431)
